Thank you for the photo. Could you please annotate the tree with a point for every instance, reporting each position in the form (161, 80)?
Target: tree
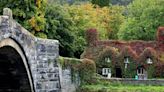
(70, 2)
(116, 19)
(66, 23)
(22, 10)
(143, 19)
(59, 26)
(29, 13)
(101, 3)
(121, 2)
(106, 20)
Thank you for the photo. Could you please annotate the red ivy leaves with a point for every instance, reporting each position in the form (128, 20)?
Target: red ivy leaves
(91, 36)
(160, 34)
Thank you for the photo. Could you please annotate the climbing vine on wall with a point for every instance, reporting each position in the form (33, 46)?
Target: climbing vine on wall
(112, 54)
(91, 36)
(130, 70)
(85, 68)
(134, 61)
(150, 68)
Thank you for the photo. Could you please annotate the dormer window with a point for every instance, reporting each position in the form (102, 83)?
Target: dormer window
(149, 60)
(126, 61)
(107, 60)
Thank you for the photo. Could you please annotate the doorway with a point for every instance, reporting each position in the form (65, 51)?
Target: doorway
(118, 72)
(142, 73)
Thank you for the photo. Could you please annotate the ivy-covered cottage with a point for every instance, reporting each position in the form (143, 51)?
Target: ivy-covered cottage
(126, 59)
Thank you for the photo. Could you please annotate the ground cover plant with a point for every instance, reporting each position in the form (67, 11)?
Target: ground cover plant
(118, 87)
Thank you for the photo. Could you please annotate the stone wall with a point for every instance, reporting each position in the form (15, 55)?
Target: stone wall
(75, 72)
(47, 70)
(66, 81)
(68, 84)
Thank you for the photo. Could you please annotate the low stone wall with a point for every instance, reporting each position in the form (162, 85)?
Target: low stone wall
(67, 84)
(75, 72)
(159, 82)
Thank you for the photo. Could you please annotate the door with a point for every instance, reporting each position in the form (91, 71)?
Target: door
(118, 72)
(142, 73)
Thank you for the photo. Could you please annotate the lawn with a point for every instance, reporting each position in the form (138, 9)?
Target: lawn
(118, 87)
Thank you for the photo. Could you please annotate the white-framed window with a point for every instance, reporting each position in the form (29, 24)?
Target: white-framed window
(140, 71)
(126, 61)
(106, 71)
(107, 59)
(149, 61)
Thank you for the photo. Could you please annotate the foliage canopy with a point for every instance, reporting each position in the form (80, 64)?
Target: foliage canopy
(143, 19)
(68, 22)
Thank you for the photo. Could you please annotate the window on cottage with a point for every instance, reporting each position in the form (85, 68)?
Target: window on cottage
(126, 61)
(149, 60)
(140, 71)
(107, 59)
(106, 71)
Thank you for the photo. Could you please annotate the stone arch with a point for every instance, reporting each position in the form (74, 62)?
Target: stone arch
(8, 42)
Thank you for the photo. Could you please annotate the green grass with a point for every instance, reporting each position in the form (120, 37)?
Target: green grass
(118, 87)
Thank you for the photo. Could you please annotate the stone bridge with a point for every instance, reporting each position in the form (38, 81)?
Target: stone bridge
(27, 63)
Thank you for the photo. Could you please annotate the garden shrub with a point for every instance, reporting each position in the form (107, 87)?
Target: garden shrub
(87, 70)
(160, 66)
(130, 72)
(159, 73)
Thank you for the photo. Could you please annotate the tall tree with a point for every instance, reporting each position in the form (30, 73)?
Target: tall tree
(101, 3)
(144, 17)
(121, 2)
(59, 26)
(29, 13)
